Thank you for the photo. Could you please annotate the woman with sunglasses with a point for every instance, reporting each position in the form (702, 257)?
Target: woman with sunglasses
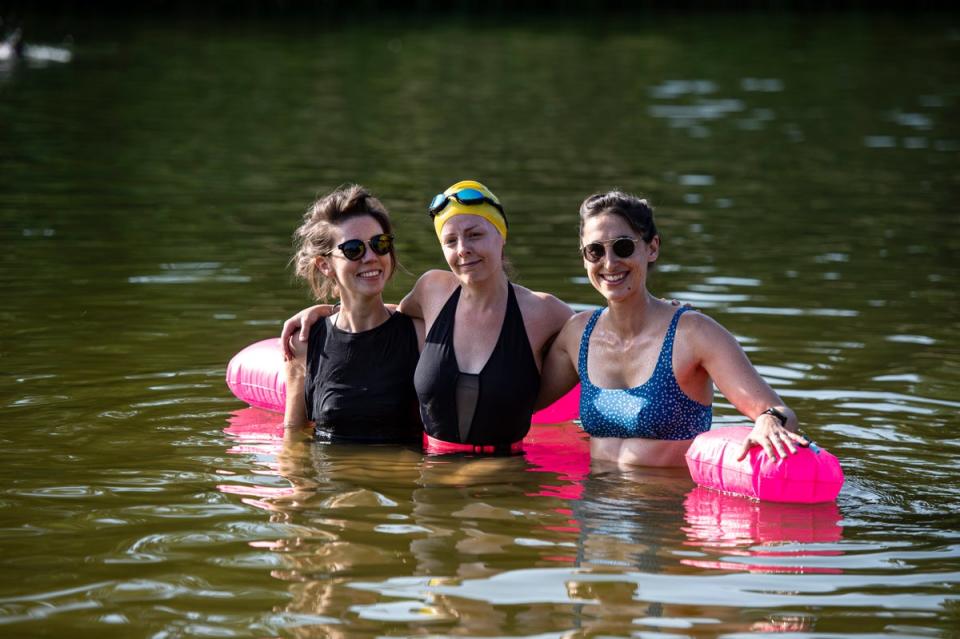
(647, 368)
(479, 373)
(354, 376)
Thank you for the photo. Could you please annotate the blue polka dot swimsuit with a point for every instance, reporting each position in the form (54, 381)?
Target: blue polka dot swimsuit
(657, 409)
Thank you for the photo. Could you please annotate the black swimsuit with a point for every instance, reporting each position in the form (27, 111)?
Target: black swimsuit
(493, 407)
(359, 386)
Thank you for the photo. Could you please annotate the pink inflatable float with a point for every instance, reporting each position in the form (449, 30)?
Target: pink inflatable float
(810, 476)
(255, 376)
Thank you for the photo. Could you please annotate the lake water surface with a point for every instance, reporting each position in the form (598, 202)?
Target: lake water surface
(805, 174)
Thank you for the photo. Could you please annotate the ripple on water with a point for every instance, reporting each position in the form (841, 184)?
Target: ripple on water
(403, 611)
(675, 88)
(923, 340)
(59, 492)
(764, 85)
(554, 585)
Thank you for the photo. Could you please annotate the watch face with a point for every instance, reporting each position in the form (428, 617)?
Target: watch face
(780, 416)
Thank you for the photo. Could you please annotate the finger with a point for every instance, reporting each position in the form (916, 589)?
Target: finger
(305, 329)
(744, 449)
(288, 327)
(800, 439)
(785, 436)
(777, 442)
(768, 448)
(285, 341)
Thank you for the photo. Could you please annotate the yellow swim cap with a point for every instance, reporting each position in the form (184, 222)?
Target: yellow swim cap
(449, 205)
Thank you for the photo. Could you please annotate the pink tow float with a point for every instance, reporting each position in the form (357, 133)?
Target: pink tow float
(810, 476)
(255, 375)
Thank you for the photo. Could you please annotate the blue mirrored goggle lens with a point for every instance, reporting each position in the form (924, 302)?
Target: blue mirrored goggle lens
(469, 196)
(438, 202)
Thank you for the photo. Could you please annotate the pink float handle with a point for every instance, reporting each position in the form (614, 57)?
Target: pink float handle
(810, 476)
(255, 376)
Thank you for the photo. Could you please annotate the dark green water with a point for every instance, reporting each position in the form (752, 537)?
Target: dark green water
(805, 172)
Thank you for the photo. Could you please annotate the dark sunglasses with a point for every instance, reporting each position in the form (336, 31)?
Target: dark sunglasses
(467, 197)
(354, 250)
(622, 247)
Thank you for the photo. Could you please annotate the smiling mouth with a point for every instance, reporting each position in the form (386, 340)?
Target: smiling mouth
(369, 275)
(468, 264)
(613, 278)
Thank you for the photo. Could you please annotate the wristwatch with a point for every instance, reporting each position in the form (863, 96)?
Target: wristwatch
(780, 416)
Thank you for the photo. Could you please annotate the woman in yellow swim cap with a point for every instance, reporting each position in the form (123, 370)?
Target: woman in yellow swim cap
(479, 372)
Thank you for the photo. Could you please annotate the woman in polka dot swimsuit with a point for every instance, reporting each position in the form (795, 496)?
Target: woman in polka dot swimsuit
(646, 368)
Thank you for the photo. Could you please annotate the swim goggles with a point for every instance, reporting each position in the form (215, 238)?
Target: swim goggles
(622, 247)
(354, 250)
(467, 197)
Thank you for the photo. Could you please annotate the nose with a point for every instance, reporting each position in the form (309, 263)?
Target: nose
(462, 246)
(368, 256)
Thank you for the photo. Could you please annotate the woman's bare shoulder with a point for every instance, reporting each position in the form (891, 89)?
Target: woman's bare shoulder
(573, 329)
(543, 305)
(433, 285)
(436, 277)
(696, 322)
(703, 333)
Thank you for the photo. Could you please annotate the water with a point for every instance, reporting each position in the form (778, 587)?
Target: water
(804, 172)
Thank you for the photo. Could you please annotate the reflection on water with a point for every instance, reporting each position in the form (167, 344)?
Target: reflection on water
(594, 550)
(804, 172)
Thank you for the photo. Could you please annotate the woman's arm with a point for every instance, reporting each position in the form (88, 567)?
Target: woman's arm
(730, 369)
(301, 324)
(421, 332)
(559, 373)
(295, 413)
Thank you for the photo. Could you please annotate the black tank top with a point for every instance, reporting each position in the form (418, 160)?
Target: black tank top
(495, 406)
(359, 386)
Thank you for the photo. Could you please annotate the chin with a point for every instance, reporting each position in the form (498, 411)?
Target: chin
(473, 276)
(616, 295)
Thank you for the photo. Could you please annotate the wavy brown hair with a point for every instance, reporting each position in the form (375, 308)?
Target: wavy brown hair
(314, 238)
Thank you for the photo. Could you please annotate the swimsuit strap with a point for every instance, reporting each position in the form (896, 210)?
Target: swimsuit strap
(442, 329)
(666, 351)
(665, 358)
(585, 345)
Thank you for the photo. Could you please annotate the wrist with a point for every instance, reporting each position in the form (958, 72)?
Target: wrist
(777, 414)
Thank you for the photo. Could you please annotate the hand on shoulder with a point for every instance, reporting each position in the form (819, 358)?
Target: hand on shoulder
(297, 328)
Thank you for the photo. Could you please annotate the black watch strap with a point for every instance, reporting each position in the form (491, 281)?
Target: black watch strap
(780, 416)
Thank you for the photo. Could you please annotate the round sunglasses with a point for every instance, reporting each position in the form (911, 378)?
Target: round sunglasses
(354, 250)
(622, 247)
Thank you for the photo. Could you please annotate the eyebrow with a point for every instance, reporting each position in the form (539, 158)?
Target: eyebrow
(448, 236)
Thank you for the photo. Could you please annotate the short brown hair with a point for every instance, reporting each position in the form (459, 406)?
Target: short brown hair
(633, 210)
(314, 238)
